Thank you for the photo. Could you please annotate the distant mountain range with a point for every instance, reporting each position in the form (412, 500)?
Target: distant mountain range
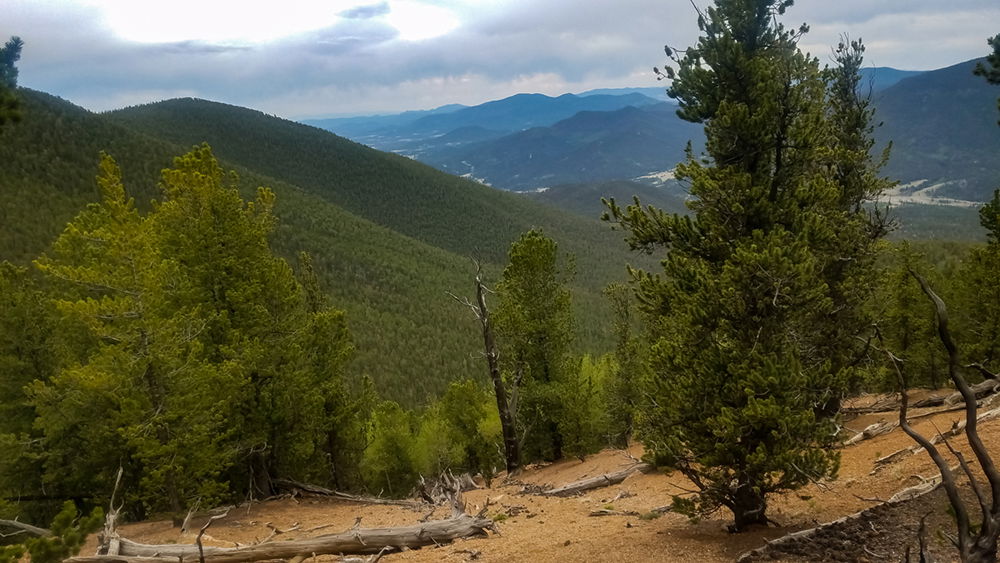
(942, 124)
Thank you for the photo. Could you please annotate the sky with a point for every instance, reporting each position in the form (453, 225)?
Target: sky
(300, 59)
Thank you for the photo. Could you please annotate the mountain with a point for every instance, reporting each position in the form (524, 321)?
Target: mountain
(390, 236)
(515, 113)
(943, 127)
(360, 126)
(655, 92)
(881, 77)
(588, 147)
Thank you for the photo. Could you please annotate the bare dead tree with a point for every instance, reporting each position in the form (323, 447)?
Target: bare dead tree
(506, 402)
(974, 545)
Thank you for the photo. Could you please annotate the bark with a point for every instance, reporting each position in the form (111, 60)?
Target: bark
(354, 541)
(605, 480)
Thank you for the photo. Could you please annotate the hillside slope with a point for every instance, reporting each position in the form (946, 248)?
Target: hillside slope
(943, 126)
(390, 236)
(618, 522)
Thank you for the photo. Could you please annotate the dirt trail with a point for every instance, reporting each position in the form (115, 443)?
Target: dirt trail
(535, 528)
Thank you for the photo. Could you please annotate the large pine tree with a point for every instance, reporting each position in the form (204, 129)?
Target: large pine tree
(754, 315)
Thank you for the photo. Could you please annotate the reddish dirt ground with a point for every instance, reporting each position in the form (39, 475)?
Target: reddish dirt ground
(535, 528)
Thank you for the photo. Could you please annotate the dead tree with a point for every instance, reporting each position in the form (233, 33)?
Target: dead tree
(974, 545)
(506, 404)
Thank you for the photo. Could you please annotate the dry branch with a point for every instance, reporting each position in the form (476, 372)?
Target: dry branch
(605, 480)
(25, 528)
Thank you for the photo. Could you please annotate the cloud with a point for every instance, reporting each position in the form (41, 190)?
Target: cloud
(361, 63)
(366, 12)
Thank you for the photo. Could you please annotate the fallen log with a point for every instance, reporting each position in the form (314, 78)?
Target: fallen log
(356, 541)
(609, 512)
(956, 429)
(980, 390)
(290, 485)
(872, 430)
(605, 480)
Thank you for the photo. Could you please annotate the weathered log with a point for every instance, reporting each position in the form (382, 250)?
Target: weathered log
(605, 480)
(979, 390)
(358, 541)
(609, 512)
(932, 401)
(290, 485)
(122, 559)
(872, 430)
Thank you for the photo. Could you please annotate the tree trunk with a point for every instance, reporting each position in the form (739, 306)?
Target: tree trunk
(512, 448)
(749, 508)
(984, 548)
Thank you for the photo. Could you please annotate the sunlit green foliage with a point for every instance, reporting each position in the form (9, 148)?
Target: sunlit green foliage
(583, 410)
(208, 369)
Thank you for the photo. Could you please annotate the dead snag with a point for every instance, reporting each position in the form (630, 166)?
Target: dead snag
(506, 402)
(974, 545)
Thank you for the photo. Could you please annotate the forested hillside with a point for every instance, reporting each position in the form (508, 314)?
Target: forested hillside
(345, 204)
(943, 131)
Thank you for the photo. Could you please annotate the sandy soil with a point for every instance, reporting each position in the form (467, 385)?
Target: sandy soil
(535, 528)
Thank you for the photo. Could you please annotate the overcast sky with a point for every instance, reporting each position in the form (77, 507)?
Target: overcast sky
(297, 58)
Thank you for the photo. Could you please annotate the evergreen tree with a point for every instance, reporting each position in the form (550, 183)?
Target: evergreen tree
(992, 72)
(621, 389)
(206, 369)
(69, 531)
(327, 348)
(754, 317)
(583, 418)
(534, 326)
(980, 273)
(10, 106)
(908, 322)
(142, 396)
